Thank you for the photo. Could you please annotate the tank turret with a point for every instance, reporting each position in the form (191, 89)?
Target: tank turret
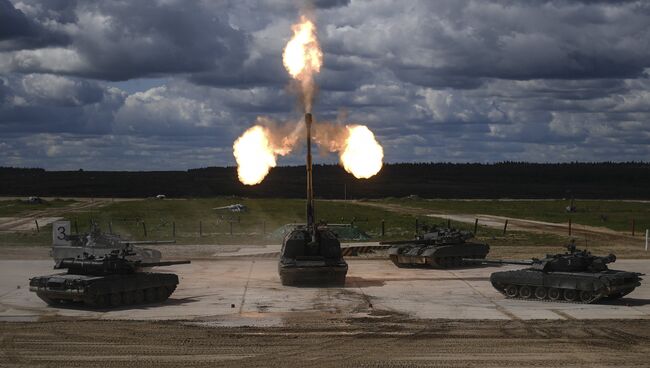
(438, 248)
(571, 261)
(98, 243)
(112, 280)
(573, 276)
(114, 263)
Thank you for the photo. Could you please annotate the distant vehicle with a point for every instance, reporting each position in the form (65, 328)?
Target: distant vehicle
(576, 276)
(34, 200)
(161, 196)
(108, 281)
(237, 207)
(97, 243)
(571, 207)
(437, 248)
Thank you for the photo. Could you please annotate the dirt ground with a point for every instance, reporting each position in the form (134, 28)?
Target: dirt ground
(373, 343)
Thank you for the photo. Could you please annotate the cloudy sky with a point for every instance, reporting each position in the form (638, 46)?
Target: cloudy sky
(169, 84)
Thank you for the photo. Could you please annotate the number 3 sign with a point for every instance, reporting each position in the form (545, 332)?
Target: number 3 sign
(61, 233)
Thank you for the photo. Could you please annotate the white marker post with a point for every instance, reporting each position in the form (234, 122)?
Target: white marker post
(646, 240)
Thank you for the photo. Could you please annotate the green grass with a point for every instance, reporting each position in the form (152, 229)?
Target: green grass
(190, 216)
(28, 238)
(616, 215)
(266, 215)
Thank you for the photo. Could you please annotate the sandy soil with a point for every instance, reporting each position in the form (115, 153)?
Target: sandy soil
(372, 343)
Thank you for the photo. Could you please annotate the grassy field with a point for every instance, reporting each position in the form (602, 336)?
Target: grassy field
(17, 207)
(195, 221)
(615, 215)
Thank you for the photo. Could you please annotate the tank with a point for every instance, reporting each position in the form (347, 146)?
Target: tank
(103, 282)
(311, 253)
(98, 243)
(575, 276)
(437, 248)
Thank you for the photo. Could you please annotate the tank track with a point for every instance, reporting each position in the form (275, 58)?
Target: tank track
(562, 298)
(119, 299)
(439, 262)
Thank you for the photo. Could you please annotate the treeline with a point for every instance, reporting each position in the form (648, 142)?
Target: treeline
(428, 180)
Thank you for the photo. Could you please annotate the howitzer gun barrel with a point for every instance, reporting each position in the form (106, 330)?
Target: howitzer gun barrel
(310, 183)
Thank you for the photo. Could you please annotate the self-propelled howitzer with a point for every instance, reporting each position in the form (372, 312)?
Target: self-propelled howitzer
(107, 281)
(311, 254)
(575, 276)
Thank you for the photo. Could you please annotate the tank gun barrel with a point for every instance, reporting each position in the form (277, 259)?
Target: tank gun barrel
(141, 242)
(78, 263)
(163, 263)
(611, 258)
(402, 242)
(501, 261)
(99, 266)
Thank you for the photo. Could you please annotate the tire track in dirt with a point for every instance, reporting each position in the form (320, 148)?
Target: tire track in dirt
(30, 217)
(386, 342)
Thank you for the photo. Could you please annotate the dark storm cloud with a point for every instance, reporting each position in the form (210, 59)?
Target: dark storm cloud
(122, 40)
(458, 43)
(17, 31)
(324, 4)
(440, 80)
(48, 103)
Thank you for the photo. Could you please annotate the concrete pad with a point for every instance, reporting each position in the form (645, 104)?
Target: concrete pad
(235, 292)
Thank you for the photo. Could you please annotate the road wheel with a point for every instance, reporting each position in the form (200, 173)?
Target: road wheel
(625, 292)
(116, 299)
(150, 295)
(436, 262)
(161, 293)
(570, 295)
(46, 299)
(540, 293)
(554, 294)
(586, 296)
(139, 296)
(128, 298)
(395, 261)
(98, 301)
(525, 292)
(512, 291)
